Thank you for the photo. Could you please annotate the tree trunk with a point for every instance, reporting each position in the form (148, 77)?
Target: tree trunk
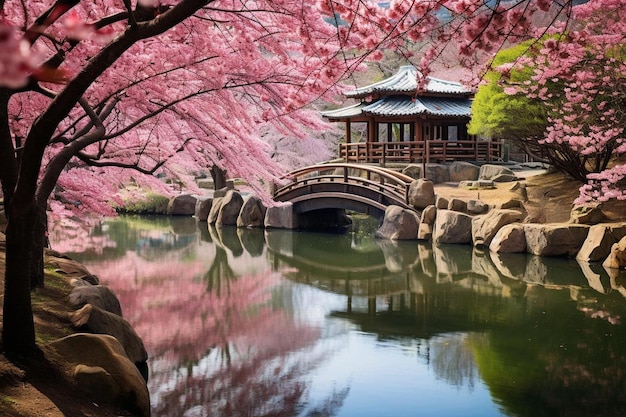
(39, 242)
(18, 331)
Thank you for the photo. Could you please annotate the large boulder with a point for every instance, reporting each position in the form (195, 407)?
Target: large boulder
(600, 240)
(69, 268)
(252, 213)
(485, 227)
(437, 173)
(203, 208)
(456, 204)
(182, 205)
(452, 227)
(398, 224)
(421, 194)
(215, 210)
(97, 295)
(281, 217)
(412, 170)
(99, 368)
(477, 207)
(617, 257)
(429, 214)
(495, 173)
(463, 171)
(231, 206)
(509, 239)
(587, 214)
(554, 239)
(96, 320)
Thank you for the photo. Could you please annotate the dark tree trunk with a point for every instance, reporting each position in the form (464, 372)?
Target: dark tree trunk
(18, 331)
(219, 177)
(39, 242)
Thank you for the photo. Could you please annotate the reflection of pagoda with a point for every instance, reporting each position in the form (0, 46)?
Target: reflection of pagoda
(410, 119)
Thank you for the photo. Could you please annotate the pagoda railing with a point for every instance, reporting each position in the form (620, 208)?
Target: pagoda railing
(429, 151)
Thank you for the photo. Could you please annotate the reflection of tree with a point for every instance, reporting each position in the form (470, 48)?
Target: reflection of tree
(452, 360)
(220, 273)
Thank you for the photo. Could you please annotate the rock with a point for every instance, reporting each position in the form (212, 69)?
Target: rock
(99, 321)
(203, 208)
(504, 178)
(101, 370)
(477, 207)
(281, 217)
(456, 204)
(182, 205)
(428, 215)
(520, 189)
(425, 232)
(554, 239)
(252, 213)
(463, 171)
(437, 173)
(97, 295)
(69, 268)
(485, 227)
(452, 227)
(490, 172)
(509, 239)
(512, 203)
(229, 211)
(206, 183)
(413, 171)
(600, 240)
(442, 203)
(587, 214)
(477, 185)
(617, 257)
(421, 193)
(215, 210)
(398, 224)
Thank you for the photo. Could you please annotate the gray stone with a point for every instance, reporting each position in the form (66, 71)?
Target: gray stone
(452, 227)
(509, 239)
(463, 171)
(477, 207)
(441, 203)
(425, 232)
(456, 204)
(252, 213)
(554, 239)
(99, 321)
(215, 210)
(485, 227)
(504, 178)
(413, 171)
(97, 295)
(600, 240)
(428, 215)
(281, 217)
(617, 257)
(229, 211)
(182, 205)
(489, 172)
(437, 173)
(99, 368)
(398, 224)
(206, 183)
(203, 208)
(477, 185)
(587, 214)
(519, 188)
(421, 193)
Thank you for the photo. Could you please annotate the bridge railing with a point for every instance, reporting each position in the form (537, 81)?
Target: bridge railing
(386, 181)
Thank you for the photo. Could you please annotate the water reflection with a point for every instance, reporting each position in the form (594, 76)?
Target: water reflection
(286, 323)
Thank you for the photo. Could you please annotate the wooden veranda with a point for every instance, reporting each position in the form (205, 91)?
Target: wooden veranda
(403, 119)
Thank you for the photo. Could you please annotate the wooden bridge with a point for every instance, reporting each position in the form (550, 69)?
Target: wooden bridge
(362, 188)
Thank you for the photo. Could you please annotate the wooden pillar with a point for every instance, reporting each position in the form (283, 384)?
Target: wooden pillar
(348, 131)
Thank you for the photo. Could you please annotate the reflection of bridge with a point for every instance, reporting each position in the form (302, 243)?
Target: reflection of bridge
(363, 188)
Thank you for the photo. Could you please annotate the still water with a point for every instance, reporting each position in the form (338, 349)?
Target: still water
(287, 323)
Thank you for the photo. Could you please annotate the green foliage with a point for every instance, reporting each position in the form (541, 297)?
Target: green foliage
(496, 114)
(151, 204)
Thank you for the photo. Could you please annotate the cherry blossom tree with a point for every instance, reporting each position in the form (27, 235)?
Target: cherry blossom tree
(98, 95)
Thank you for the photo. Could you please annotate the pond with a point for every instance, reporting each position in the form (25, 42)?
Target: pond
(286, 323)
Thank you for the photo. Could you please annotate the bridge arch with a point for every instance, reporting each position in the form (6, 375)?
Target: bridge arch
(362, 188)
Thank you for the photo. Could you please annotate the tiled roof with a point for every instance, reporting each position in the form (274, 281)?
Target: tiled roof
(405, 81)
(405, 106)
